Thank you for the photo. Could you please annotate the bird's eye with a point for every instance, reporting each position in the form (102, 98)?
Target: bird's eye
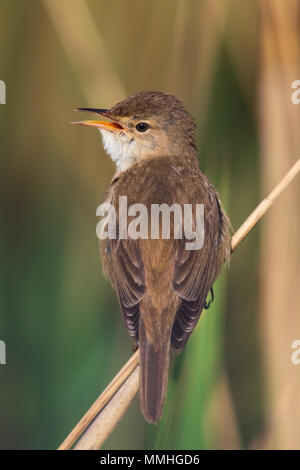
(142, 126)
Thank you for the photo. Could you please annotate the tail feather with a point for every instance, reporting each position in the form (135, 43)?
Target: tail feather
(154, 366)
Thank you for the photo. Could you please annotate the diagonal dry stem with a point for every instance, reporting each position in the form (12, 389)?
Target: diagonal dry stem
(265, 204)
(101, 401)
(115, 399)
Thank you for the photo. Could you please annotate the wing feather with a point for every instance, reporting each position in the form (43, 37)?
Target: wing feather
(129, 280)
(195, 272)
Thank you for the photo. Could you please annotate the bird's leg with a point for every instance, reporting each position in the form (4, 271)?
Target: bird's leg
(208, 304)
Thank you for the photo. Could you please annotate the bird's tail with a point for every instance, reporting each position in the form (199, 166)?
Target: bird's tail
(154, 366)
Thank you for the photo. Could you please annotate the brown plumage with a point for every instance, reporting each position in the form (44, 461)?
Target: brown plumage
(161, 286)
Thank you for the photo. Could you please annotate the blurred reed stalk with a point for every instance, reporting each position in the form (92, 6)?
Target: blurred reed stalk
(280, 250)
(86, 51)
(114, 401)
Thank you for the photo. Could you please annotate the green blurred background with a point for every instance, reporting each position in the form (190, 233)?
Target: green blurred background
(232, 64)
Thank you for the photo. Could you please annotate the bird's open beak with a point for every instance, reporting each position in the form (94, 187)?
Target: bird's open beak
(108, 125)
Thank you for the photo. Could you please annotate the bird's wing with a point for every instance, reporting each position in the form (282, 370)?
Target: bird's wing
(129, 281)
(193, 276)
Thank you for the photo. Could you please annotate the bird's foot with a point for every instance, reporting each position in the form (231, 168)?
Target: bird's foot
(208, 304)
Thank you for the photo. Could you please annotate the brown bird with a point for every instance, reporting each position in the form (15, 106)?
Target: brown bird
(162, 286)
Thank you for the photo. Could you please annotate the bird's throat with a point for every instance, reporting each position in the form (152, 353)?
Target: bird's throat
(122, 150)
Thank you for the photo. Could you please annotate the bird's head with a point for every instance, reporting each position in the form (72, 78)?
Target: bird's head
(145, 125)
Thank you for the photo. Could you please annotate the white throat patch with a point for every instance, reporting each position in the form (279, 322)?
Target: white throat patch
(122, 151)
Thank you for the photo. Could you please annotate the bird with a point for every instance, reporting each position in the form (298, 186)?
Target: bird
(161, 285)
